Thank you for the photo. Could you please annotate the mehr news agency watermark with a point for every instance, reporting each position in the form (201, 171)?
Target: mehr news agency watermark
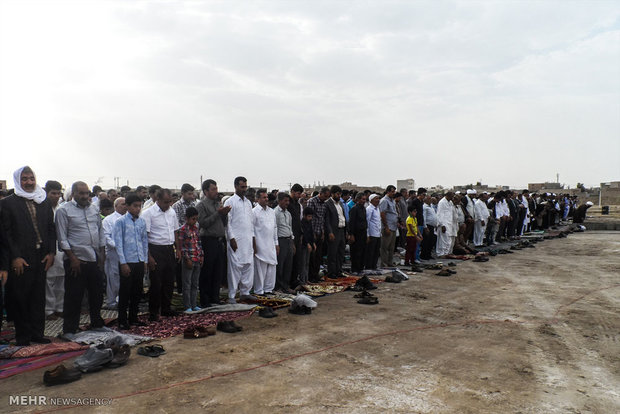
(42, 400)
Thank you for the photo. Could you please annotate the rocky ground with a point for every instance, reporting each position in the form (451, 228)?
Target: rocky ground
(537, 331)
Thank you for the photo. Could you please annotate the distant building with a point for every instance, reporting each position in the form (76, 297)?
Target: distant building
(538, 187)
(347, 186)
(407, 184)
(3, 185)
(480, 188)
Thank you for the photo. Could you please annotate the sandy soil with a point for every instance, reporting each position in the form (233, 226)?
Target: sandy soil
(537, 331)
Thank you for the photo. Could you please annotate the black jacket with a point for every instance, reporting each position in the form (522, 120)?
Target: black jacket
(331, 217)
(18, 234)
(357, 220)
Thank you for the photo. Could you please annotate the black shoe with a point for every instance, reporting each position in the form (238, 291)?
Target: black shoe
(237, 327)
(267, 313)
(61, 375)
(225, 326)
(41, 340)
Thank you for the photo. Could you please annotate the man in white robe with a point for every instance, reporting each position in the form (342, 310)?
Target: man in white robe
(266, 236)
(482, 218)
(471, 211)
(111, 265)
(446, 225)
(240, 237)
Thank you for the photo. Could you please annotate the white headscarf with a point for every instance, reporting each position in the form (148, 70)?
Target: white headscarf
(38, 195)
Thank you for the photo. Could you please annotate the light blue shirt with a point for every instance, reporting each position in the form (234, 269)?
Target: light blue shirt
(131, 239)
(345, 209)
(388, 206)
(373, 217)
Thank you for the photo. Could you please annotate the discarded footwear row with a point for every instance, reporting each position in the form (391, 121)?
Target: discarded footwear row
(197, 331)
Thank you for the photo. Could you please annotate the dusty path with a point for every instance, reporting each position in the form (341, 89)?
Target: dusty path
(537, 331)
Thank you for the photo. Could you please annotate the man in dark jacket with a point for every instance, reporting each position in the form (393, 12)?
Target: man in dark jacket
(335, 229)
(358, 227)
(30, 237)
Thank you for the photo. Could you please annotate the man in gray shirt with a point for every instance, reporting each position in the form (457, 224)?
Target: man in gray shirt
(81, 237)
(284, 223)
(389, 220)
(212, 221)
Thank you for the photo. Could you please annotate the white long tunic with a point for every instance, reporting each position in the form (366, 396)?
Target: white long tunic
(471, 206)
(446, 216)
(240, 227)
(482, 211)
(266, 234)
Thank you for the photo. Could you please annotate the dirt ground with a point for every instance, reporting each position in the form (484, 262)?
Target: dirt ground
(537, 331)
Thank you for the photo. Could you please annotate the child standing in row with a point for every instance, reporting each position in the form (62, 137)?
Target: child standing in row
(413, 236)
(192, 257)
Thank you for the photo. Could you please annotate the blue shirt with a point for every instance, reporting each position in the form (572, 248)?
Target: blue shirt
(132, 245)
(373, 217)
(345, 209)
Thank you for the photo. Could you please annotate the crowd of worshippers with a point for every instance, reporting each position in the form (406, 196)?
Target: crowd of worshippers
(55, 247)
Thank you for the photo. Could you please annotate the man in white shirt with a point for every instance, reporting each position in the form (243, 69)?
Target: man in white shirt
(153, 197)
(110, 267)
(446, 225)
(430, 228)
(482, 219)
(373, 217)
(161, 225)
(266, 234)
(240, 236)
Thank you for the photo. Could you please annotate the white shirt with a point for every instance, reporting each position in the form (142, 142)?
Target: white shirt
(430, 216)
(241, 229)
(160, 225)
(471, 208)
(341, 219)
(266, 234)
(482, 211)
(108, 228)
(373, 217)
(446, 216)
(148, 203)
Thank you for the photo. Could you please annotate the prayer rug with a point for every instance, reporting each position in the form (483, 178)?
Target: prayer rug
(13, 351)
(271, 302)
(175, 325)
(14, 366)
(330, 286)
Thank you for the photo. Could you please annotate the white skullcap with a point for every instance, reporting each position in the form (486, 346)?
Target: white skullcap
(458, 192)
(372, 196)
(471, 191)
(589, 203)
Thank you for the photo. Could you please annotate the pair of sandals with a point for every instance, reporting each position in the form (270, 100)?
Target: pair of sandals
(152, 351)
(267, 312)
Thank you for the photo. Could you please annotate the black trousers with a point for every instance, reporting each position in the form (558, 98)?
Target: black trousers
(357, 252)
(296, 262)
(316, 259)
(335, 253)
(213, 269)
(428, 242)
(284, 269)
(373, 245)
(162, 279)
(28, 300)
(129, 292)
(89, 280)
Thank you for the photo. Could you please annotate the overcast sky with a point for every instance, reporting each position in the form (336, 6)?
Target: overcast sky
(301, 91)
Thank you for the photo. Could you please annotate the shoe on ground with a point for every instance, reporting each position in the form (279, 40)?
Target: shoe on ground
(94, 359)
(267, 313)
(444, 273)
(188, 310)
(248, 298)
(197, 309)
(121, 356)
(225, 326)
(237, 327)
(61, 375)
(231, 301)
